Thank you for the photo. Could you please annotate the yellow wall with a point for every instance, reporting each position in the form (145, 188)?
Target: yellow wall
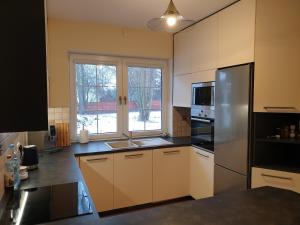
(67, 36)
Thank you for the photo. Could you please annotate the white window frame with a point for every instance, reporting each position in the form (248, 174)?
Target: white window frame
(122, 64)
(148, 63)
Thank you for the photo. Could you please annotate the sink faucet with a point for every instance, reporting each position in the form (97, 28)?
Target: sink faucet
(129, 136)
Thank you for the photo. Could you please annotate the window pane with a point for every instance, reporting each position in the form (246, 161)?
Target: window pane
(145, 96)
(96, 98)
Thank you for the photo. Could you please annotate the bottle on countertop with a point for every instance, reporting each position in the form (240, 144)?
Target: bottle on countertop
(12, 167)
(8, 172)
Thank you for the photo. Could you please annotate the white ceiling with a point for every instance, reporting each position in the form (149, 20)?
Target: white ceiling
(129, 13)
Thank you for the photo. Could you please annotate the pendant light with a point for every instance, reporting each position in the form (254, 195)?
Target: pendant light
(170, 21)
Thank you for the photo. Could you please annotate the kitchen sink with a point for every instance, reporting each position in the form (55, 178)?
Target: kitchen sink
(121, 144)
(136, 143)
(151, 142)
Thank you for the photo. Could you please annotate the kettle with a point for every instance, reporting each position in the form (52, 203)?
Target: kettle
(29, 157)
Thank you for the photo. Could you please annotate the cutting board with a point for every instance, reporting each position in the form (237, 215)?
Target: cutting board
(62, 134)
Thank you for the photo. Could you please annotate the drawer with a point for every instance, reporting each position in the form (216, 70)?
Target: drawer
(275, 178)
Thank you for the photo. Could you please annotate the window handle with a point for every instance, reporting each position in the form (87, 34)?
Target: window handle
(125, 100)
(120, 100)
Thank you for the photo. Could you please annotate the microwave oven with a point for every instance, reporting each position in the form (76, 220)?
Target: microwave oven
(203, 99)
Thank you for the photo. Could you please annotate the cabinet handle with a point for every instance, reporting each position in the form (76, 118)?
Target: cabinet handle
(134, 156)
(206, 156)
(171, 152)
(97, 159)
(278, 177)
(280, 109)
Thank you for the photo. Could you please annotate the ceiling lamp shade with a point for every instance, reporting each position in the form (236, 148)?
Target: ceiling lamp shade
(171, 21)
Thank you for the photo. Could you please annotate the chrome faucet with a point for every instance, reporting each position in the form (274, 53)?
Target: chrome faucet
(129, 136)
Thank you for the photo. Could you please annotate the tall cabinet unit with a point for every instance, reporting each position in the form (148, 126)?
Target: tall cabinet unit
(223, 39)
(23, 66)
(236, 34)
(277, 54)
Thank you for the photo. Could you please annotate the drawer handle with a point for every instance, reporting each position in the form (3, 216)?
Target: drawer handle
(97, 159)
(280, 109)
(171, 152)
(278, 177)
(206, 156)
(134, 156)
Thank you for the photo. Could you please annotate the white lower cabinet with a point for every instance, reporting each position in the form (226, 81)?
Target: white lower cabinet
(170, 173)
(201, 173)
(97, 171)
(280, 179)
(132, 178)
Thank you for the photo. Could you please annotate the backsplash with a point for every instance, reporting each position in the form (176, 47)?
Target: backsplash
(181, 122)
(5, 140)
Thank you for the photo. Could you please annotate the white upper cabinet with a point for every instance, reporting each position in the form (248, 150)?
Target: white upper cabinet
(205, 44)
(183, 52)
(277, 54)
(236, 34)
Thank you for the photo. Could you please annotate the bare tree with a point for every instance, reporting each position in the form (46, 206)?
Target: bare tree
(142, 82)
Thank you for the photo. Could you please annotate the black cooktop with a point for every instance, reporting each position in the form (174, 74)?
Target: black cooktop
(45, 204)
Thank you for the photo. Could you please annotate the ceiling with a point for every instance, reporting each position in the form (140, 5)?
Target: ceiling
(129, 13)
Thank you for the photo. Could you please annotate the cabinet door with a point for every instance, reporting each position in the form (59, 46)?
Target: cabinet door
(201, 174)
(182, 52)
(132, 178)
(277, 54)
(170, 173)
(236, 34)
(274, 178)
(205, 44)
(23, 66)
(97, 171)
(182, 86)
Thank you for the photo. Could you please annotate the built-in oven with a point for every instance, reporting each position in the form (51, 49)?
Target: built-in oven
(203, 99)
(202, 133)
(203, 114)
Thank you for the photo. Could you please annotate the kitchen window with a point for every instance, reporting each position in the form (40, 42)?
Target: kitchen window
(113, 95)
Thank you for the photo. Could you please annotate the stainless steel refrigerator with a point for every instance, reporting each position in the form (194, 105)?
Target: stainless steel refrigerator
(233, 109)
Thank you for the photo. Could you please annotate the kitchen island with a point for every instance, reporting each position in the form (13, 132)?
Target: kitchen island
(261, 206)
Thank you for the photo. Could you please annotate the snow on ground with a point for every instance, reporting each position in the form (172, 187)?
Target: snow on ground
(107, 122)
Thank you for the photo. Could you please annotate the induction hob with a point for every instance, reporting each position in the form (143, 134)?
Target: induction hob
(45, 204)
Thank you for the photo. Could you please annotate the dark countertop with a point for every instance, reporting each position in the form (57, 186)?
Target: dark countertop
(59, 168)
(268, 206)
(261, 206)
(99, 147)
